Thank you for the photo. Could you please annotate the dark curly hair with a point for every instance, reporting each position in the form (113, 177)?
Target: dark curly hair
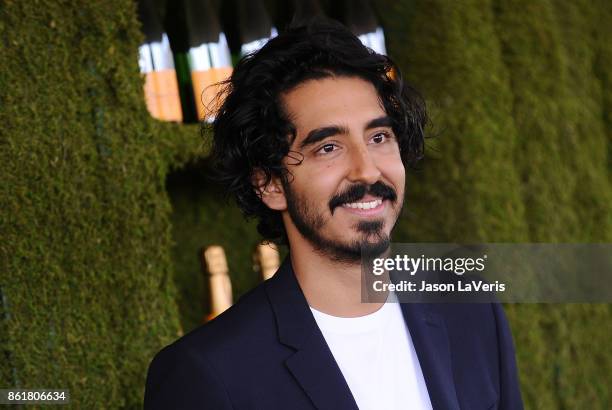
(252, 131)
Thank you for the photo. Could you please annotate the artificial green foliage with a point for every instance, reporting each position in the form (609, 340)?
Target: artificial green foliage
(584, 112)
(540, 106)
(85, 226)
(549, 49)
(602, 62)
(105, 210)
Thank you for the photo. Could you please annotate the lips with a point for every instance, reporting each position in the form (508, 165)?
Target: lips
(361, 197)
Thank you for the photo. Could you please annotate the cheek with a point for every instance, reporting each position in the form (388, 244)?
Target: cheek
(395, 173)
(322, 179)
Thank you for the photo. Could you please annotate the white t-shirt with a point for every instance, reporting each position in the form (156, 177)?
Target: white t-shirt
(377, 358)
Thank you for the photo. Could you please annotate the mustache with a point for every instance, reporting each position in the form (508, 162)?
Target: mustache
(356, 192)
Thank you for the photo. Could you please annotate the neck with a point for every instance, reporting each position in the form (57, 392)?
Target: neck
(329, 286)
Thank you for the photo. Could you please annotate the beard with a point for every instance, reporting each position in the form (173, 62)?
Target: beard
(372, 240)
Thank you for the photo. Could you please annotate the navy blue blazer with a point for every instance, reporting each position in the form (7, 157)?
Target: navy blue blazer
(267, 352)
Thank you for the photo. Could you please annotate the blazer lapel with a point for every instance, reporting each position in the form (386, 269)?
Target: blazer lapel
(313, 364)
(428, 333)
(316, 371)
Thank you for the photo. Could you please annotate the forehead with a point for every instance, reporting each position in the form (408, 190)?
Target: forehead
(347, 101)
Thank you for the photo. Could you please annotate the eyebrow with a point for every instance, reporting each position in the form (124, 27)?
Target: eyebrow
(384, 121)
(319, 134)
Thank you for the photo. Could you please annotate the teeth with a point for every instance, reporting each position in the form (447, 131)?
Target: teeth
(364, 205)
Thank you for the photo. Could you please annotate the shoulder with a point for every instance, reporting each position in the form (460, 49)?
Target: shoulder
(244, 331)
(249, 318)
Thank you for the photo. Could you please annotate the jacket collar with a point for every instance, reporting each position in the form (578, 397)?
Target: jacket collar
(314, 366)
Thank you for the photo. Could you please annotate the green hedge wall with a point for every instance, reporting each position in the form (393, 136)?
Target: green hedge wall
(104, 209)
(86, 285)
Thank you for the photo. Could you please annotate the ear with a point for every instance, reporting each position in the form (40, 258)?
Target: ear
(272, 194)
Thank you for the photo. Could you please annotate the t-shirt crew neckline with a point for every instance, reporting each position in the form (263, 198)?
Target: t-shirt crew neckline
(358, 324)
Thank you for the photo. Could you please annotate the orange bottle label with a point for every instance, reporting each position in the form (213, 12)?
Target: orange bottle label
(150, 93)
(206, 88)
(162, 95)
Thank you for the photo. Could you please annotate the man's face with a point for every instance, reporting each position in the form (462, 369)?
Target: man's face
(346, 194)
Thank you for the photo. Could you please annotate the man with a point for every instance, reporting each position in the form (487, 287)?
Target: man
(312, 139)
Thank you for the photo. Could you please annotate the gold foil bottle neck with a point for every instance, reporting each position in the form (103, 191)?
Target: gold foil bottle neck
(268, 259)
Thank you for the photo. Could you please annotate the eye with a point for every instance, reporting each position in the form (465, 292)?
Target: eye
(327, 148)
(380, 137)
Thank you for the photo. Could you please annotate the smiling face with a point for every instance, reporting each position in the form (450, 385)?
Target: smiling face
(346, 194)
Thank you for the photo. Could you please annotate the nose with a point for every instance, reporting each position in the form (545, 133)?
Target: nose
(363, 168)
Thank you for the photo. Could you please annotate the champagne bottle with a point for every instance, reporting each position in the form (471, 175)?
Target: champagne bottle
(156, 63)
(359, 17)
(214, 264)
(209, 56)
(255, 26)
(267, 259)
